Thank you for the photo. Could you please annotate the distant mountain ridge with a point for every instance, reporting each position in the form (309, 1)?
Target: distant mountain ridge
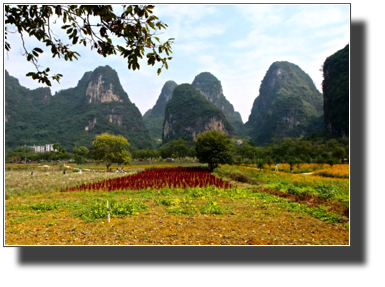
(210, 87)
(288, 105)
(73, 117)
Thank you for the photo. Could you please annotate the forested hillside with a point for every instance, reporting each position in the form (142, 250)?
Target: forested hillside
(189, 113)
(288, 105)
(72, 117)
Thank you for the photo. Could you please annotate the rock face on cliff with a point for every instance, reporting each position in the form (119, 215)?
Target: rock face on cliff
(288, 105)
(188, 114)
(154, 118)
(211, 88)
(73, 117)
(335, 88)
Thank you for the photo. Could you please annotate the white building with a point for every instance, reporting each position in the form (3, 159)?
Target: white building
(49, 147)
(43, 148)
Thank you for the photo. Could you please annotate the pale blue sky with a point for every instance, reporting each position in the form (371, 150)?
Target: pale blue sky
(236, 43)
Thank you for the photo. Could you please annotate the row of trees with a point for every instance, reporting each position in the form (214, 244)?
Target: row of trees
(107, 148)
(211, 147)
(25, 154)
(216, 148)
(176, 149)
(294, 151)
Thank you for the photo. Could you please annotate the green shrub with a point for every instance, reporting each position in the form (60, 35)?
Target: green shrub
(199, 193)
(185, 210)
(98, 209)
(298, 191)
(168, 201)
(328, 191)
(212, 208)
(43, 206)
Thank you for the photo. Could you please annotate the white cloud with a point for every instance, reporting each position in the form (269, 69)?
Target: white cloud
(186, 13)
(218, 67)
(342, 30)
(207, 30)
(260, 15)
(338, 42)
(315, 16)
(252, 39)
(191, 47)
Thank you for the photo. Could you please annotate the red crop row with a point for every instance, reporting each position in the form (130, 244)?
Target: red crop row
(174, 177)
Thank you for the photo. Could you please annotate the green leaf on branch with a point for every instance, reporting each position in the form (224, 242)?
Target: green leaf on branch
(133, 25)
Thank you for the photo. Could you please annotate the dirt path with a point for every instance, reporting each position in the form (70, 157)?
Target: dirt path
(307, 173)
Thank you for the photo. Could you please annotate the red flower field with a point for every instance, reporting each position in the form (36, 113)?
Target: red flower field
(157, 178)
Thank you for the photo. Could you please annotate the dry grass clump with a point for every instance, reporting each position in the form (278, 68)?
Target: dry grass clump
(239, 176)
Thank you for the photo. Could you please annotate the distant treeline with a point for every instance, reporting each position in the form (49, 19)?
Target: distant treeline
(314, 149)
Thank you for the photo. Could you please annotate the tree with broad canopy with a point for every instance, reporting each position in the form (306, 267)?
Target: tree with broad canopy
(111, 149)
(214, 148)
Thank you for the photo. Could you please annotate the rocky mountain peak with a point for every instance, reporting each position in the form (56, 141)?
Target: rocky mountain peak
(73, 116)
(189, 113)
(98, 92)
(209, 86)
(167, 90)
(104, 86)
(288, 105)
(164, 97)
